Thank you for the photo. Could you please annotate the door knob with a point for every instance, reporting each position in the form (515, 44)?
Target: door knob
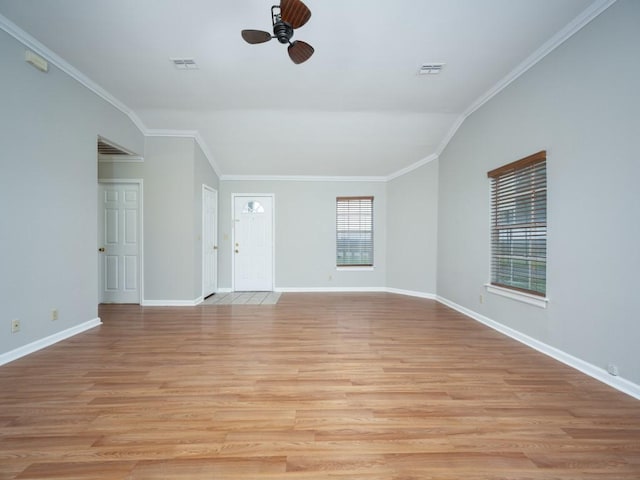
(215, 247)
(102, 249)
(237, 251)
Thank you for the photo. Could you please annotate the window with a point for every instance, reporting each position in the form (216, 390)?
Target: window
(519, 225)
(253, 207)
(354, 231)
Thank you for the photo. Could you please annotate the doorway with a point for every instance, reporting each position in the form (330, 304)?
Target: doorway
(120, 241)
(209, 241)
(253, 242)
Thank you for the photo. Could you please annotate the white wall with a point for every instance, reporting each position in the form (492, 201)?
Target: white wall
(305, 232)
(581, 103)
(412, 230)
(49, 125)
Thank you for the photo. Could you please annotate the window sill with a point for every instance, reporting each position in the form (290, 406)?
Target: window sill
(355, 269)
(540, 302)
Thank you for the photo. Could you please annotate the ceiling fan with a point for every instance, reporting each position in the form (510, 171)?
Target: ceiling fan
(286, 17)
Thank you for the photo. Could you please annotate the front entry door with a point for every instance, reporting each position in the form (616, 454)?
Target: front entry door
(119, 242)
(253, 243)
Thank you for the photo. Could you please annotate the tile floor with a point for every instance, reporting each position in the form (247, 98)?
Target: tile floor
(243, 298)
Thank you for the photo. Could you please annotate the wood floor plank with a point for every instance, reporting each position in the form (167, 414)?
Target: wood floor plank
(77, 471)
(318, 386)
(207, 468)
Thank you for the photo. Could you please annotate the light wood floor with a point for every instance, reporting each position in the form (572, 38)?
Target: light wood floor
(319, 386)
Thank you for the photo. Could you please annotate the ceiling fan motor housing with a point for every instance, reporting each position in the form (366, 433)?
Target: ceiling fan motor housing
(283, 31)
(286, 17)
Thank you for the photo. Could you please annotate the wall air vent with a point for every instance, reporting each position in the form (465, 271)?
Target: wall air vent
(430, 68)
(184, 63)
(36, 60)
(110, 152)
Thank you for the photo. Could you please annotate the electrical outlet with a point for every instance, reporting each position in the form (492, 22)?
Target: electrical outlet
(54, 314)
(15, 326)
(612, 368)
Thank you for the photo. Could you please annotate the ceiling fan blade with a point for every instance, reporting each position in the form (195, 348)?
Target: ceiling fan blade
(294, 12)
(255, 36)
(300, 51)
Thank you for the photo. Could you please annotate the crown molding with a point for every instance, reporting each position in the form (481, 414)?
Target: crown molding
(450, 134)
(412, 167)
(595, 9)
(39, 48)
(195, 134)
(33, 44)
(207, 153)
(159, 132)
(301, 178)
(590, 13)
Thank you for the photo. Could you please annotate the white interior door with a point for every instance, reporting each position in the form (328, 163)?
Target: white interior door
(253, 243)
(119, 242)
(209, 241)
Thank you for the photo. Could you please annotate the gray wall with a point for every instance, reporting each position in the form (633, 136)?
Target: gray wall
(581, 103)
(585, 116)
(412, 230)
(49, 125)
(174, 170)
(169, 219)
(305, 232)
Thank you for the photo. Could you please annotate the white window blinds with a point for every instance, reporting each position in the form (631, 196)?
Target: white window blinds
(519, 225)
(354, 231)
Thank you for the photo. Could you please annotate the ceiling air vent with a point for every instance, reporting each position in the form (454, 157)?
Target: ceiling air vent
(109, 152)
(430, 68)
(184, 63)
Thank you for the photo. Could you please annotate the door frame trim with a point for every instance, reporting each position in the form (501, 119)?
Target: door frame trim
(273, 236)
(215, 192)
(140, 183)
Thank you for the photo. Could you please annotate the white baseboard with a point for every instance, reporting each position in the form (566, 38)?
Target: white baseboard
(411, 293)
(328, 289)
(398, 291)
(48, 341)
(171, 303)
(587, 368)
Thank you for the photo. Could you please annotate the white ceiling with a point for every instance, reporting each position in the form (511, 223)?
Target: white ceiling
(356, 108)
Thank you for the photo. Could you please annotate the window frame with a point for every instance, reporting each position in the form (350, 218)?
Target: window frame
(524, 179)
(353, 223)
